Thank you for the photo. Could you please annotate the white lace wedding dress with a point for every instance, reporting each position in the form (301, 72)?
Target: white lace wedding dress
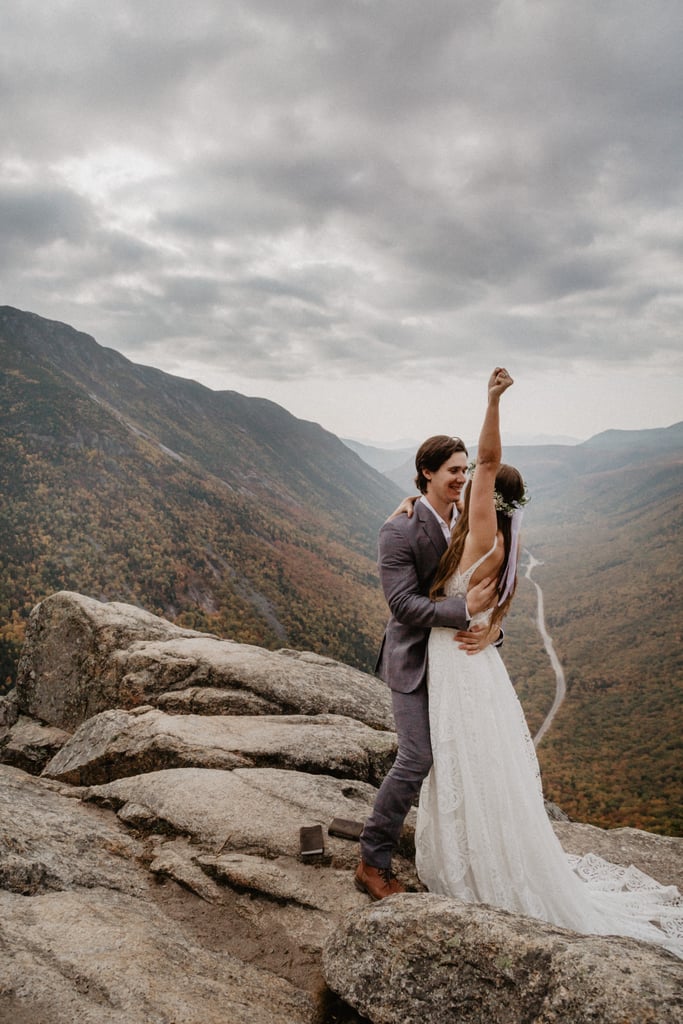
(483, 834)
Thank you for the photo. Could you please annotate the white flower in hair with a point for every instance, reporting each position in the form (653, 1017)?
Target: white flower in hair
(506, 507)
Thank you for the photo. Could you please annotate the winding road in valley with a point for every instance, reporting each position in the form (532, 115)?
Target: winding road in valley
(560, 685)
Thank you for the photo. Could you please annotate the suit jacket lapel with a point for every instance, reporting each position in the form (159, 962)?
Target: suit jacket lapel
(431, 528)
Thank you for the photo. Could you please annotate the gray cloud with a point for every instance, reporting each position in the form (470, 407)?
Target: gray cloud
(289, 188)
(35, 216)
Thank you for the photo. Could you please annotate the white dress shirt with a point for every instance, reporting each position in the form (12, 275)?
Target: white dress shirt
(445, 527)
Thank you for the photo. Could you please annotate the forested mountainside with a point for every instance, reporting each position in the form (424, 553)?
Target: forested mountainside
(608, 530)
(220, 512)
(605, 520)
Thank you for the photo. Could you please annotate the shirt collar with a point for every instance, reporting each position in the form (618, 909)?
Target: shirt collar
(445, 527)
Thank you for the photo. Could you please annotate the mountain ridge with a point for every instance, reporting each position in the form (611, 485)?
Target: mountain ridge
(225, 512)
(224, 416)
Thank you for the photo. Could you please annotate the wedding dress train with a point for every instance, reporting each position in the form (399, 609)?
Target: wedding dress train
(483, 834)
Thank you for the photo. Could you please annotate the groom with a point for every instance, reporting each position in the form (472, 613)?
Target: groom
(410, 547)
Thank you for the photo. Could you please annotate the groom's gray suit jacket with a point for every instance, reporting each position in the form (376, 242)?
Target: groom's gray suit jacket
(409, 553)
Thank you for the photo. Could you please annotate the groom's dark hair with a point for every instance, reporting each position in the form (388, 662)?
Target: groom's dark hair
(432, 454)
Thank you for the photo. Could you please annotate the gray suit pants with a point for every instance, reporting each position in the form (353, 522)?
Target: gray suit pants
(402, 783)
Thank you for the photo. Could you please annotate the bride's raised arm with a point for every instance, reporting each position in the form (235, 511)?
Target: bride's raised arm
(482, 513)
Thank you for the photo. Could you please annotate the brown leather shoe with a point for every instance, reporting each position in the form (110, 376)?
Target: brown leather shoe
(376, 882)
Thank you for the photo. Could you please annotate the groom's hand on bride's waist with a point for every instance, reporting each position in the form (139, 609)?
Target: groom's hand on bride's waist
(476, 639)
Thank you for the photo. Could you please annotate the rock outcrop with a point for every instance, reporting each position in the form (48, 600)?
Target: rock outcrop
(425, 959)
(81, 657)
(30, 745)
(118, 743)
(93, 943)
(153, 871)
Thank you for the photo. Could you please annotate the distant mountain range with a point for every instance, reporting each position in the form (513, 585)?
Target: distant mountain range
(227, 514)
(385, 460)
(387, 456)
(550, 459)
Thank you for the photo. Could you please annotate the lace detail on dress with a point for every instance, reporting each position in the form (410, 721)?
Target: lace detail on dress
(482, 832)
(458, 585)
(460, 581)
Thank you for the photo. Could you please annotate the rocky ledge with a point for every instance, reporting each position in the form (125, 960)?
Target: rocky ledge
(153, 782)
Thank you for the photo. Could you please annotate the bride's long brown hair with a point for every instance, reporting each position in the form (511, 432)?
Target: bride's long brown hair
(510, 486)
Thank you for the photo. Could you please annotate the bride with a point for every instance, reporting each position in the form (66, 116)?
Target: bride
(482, 833)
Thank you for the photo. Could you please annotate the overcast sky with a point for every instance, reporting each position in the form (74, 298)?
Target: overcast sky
(358, 207)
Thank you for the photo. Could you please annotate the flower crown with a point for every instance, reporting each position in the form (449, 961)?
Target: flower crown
(508, 508)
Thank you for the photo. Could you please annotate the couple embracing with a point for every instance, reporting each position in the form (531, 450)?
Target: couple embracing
(448, 568)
